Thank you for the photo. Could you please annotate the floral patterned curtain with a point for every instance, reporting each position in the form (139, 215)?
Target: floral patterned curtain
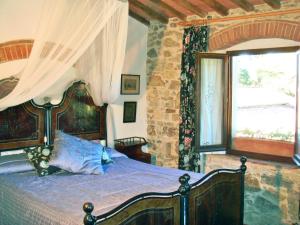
(195, 39)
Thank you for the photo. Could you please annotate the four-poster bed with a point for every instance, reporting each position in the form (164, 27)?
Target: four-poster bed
(129, 192)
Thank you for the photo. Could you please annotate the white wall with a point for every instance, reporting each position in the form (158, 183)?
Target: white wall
(19, 21)
(135, 63)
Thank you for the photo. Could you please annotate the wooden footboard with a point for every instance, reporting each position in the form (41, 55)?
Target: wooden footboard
(145, 209)
(216, 199)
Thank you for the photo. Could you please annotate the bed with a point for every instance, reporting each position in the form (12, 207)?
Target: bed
(128, 193)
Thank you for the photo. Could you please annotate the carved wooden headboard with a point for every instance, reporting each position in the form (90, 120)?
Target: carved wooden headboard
(21, 126)
(27, 124)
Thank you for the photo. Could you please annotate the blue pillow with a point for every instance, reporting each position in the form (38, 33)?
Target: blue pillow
(76, 155)
(106, 158)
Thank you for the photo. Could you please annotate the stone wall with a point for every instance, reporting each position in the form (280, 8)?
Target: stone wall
(271, 188)
(164, 66)
(272, 192)
(163, 87)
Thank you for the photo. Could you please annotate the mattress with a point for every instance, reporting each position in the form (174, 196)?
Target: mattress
(26, 199)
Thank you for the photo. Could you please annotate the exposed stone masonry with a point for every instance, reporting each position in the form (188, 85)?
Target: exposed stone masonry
(163, 87)
(272, 190)
(164, 66)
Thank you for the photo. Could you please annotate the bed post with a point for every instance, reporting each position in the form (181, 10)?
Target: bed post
(105, 118)
(243, 169)
(89, 219)
(184, 191)
(48, 121)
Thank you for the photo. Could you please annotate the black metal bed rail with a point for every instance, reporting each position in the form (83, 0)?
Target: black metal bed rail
(183, 193)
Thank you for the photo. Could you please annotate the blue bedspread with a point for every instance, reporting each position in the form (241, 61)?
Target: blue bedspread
(27, 199)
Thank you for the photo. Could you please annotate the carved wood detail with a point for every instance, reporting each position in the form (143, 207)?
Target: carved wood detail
(217, 201)
(151, 211)
(21, 126)
(24, 125)
(78, 115)
(217, 198)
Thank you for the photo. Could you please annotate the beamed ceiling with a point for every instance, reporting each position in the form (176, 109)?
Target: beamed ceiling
(162, 10)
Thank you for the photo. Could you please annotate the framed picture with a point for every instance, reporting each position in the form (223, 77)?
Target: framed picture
(130, 84)
(129, 113)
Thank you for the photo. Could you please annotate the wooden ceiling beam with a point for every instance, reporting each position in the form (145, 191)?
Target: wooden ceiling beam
(219, 8)
(139, 18)
(150, 12)
(165, 6)
(244, 4)
(275, 4)
(193, 8)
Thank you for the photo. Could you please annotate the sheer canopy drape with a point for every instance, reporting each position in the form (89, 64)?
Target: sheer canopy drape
(101, 66)
(66, 29)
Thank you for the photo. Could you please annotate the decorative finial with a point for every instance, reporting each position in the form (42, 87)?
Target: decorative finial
(243, 167)
(185, 187)
(47, 99)
(89, 219)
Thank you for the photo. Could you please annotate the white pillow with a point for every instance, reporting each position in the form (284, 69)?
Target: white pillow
(14, 164)
(76, 155)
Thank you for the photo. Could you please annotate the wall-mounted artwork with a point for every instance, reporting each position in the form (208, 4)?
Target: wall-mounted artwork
(129, 113)
(130, 84)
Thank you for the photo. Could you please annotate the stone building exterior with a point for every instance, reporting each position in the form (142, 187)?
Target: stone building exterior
(272, 188)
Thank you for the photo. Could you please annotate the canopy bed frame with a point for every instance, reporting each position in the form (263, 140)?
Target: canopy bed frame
(30, 124)
(217, 198)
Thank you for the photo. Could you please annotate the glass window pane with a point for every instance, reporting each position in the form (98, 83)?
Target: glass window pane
(298, 122)
(264, 102)
(211, 102)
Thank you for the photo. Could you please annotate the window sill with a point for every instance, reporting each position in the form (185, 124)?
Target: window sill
(259, 156)
(266, 147)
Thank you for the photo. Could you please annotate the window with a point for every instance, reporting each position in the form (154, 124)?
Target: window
(297, 148)
(210, 101)
(252, 110)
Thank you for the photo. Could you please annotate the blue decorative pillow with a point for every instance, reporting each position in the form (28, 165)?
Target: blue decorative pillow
(76, 155)
(106, 158)
(39, 156)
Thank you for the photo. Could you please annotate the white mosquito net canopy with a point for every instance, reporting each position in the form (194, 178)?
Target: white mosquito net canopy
(89, 35)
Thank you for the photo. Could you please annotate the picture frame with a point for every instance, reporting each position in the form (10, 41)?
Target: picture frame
(129, 112)
(130, 84)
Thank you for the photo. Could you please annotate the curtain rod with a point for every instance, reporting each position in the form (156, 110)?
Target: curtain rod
(244, 17)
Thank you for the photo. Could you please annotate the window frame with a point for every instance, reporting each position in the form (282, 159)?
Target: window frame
(227, 105)
(211, 148)
(296, 157)
(256, 155)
